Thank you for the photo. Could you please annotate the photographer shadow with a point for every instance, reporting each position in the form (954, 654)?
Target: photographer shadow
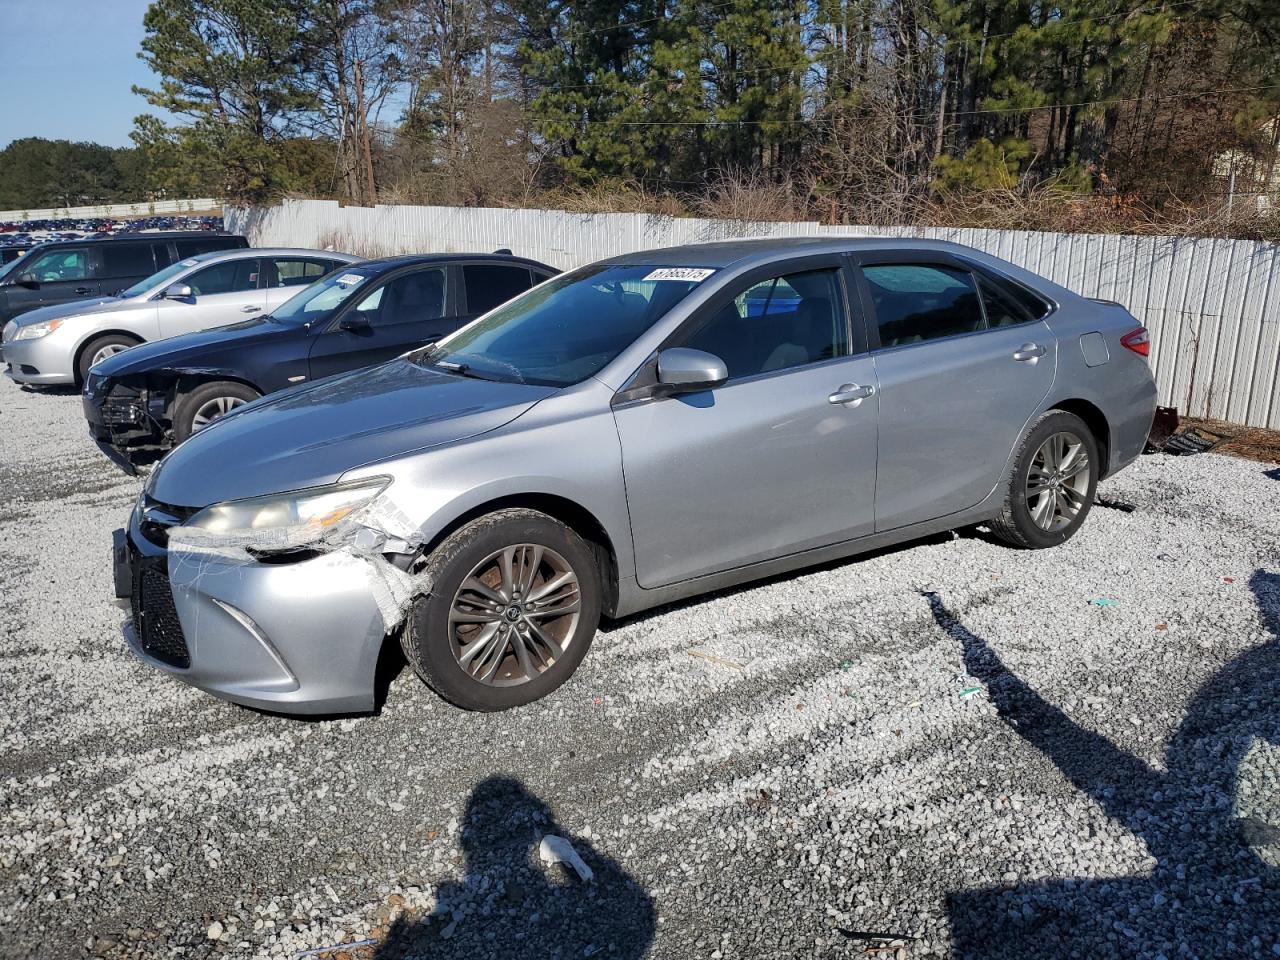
(1215, 887)
(507, 904)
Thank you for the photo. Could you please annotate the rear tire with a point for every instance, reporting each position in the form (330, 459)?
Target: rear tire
(512, 636)
(99, 348)
(206, 403)
(1055, 476)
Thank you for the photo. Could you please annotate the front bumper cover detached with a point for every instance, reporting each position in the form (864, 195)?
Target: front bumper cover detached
(295, 636)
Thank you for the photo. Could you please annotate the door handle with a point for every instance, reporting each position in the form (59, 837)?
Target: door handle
(250, 309)
(84, 290)
(852, 394)
(1029, 351)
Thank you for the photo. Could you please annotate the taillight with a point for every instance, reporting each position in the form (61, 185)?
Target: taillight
(1139, 341)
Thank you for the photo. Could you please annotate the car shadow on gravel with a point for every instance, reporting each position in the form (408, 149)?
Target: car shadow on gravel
(1210, 820)
(509, 905)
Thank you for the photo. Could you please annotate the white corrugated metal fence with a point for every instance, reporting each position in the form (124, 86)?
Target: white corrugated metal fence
(150, 208)
(1213, 306)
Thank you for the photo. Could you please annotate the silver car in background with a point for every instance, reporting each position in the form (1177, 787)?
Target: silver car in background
(58, 344)
(627, 434)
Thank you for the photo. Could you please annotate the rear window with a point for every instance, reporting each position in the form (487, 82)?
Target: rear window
(490, 284)
(121, 260)
(924, 301)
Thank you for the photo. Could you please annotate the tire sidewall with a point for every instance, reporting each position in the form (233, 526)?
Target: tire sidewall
(185, 410)
(96, 344)
(428, 629)
(1056, 422)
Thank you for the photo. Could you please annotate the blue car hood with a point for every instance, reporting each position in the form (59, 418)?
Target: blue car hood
(191, 349)
(313, 434)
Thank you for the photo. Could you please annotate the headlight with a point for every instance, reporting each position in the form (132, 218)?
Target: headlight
(34, 331)
(285, 520)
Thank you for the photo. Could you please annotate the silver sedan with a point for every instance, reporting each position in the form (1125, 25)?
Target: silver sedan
(58, 344)
(633, 432)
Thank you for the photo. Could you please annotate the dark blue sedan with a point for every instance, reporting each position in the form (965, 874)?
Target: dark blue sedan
(150, 397)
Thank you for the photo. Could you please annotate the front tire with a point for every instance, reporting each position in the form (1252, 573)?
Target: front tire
(99, 349)
(1055, 476)
(206, 403)
(514, 604)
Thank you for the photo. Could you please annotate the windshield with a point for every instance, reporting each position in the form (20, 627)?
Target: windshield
(322, 297)
(8, 267)
(568, 328)
(156, 279)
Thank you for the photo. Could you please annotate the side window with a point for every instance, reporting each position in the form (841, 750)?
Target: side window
(916, 302)
(410, 298)
(782, 322)
(1002, 309)
(58, 265)
(298, 273)
(127, 260)
(162, 255)
(233, 276)
(489, 285)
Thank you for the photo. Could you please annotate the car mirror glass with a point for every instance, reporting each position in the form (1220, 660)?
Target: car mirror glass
(681, 369)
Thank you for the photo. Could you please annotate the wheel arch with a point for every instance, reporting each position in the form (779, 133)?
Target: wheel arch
(1097, 423)
(83, 345)
(569, 512)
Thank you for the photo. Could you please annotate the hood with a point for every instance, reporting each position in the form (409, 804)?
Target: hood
(73, 309)
(313, 434)
(191, 349)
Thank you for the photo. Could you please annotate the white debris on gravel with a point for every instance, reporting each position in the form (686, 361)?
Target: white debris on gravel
(947, 741)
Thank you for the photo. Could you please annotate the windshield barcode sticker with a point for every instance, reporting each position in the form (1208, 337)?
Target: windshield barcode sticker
(349, 278)
(694, 274)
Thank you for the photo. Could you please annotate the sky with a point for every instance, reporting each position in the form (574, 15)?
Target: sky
(67, 68)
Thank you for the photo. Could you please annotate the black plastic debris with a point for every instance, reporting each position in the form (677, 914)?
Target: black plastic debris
(1115, 504)
(1190, 442)
(1163, 426)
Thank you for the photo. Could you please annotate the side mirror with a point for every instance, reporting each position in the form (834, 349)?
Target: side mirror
(178, 291)
(355, 322)
(28, 283)
(684, 370)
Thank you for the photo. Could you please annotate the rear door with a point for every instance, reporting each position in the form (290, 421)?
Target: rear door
(488, 284)
(407, 310)
(122, 263)
(960, 374)
(221, 293)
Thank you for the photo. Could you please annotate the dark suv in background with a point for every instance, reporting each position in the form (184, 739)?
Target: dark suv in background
(68, 270)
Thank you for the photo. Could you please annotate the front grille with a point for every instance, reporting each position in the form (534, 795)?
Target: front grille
(155, 618)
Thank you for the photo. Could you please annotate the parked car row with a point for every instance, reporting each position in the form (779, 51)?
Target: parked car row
(478, 459)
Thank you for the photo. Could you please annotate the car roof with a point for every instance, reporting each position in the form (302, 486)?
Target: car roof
(244, 253)
(154, 236)
(763, 250)
(412, 258)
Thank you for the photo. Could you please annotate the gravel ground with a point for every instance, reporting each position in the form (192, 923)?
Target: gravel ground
(952, 742)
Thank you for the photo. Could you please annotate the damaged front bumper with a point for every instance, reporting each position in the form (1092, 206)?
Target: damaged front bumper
(128, 424)
(292, 634)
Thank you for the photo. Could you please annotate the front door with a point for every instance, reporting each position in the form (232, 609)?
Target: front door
(960, 375)
(780, 458)
(221, 293)
(59, 275)
(404, 312)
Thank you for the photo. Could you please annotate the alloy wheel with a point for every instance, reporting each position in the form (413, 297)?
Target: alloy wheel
(107, 350)
(514, 614)
(1058, 481)
(212, 409)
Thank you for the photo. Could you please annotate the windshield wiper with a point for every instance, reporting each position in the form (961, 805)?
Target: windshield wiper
(461, 369)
